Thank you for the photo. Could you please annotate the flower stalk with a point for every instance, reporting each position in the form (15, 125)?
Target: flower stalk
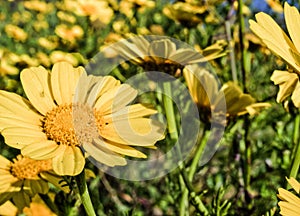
(84, 194)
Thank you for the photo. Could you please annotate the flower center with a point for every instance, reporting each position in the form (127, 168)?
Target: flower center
(26, 168)
(71, 124)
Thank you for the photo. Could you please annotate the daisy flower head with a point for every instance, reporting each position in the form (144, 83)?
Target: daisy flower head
(288, 48)
(289, 202)
(20, 179)
(216, 102)
(160, 53)
(68, 112)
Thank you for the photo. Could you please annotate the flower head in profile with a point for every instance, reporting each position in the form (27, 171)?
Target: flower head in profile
(290, 203)
(229, 100)
(20, 180)
(160, 54)
(68, 111)
(288, 49)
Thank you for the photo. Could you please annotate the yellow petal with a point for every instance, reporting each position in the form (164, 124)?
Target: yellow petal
(128, 51)
(120, 149)
(18, 137)
(239, 107)
(274, 38)
(64, 80)
(42, 150)
(137, 132)
(84, 87)
(105, 84)
(35, 82)
(294, 183)
(115, 99)
(286, 81)
(289, 209)
(8, 209)
(288, 196)
(20, 107)
(69, 162)
(132, 111)
(187, 56)
(11, 120)
(292, 20)
(104, 156)
(162, 48)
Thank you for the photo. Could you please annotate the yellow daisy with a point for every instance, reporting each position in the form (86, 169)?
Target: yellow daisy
(290, 203)
(160, 54)
(228, 100)
(20, 181)
(55, 125)
(288, 49)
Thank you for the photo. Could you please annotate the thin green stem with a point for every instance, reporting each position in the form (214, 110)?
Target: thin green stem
(169, 109)
(84, 194)
(296, 159)
(231, 51)
(242, 42)
(189, 178)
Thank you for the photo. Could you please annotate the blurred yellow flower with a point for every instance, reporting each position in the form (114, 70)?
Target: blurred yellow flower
(96, 10)
(73, 58)
(290, 203)
(64, 16)
(40, 6)
(7, 63)
(20, 179)
(48, 44)
(185, 13)
(280, 44)
(205, 92)
(104, 125)
(69, 33)
(16, 32)
(159, 54)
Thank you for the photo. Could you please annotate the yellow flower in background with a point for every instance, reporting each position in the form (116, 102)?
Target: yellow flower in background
(206, 93)
(16, 32)
(290, 203)
(96, 10)
(55, 125)
(74, 59)
(69, 33)
(20, 180)
(39, 6)
(157, 54)
(288, 49)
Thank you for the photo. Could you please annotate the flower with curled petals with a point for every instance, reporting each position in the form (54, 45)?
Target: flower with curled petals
(288, 49)
(68, 112)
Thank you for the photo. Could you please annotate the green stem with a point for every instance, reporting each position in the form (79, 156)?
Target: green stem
(189, 178)
(296, 158)
(169, 109)
(242, 42)
(84, 194)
